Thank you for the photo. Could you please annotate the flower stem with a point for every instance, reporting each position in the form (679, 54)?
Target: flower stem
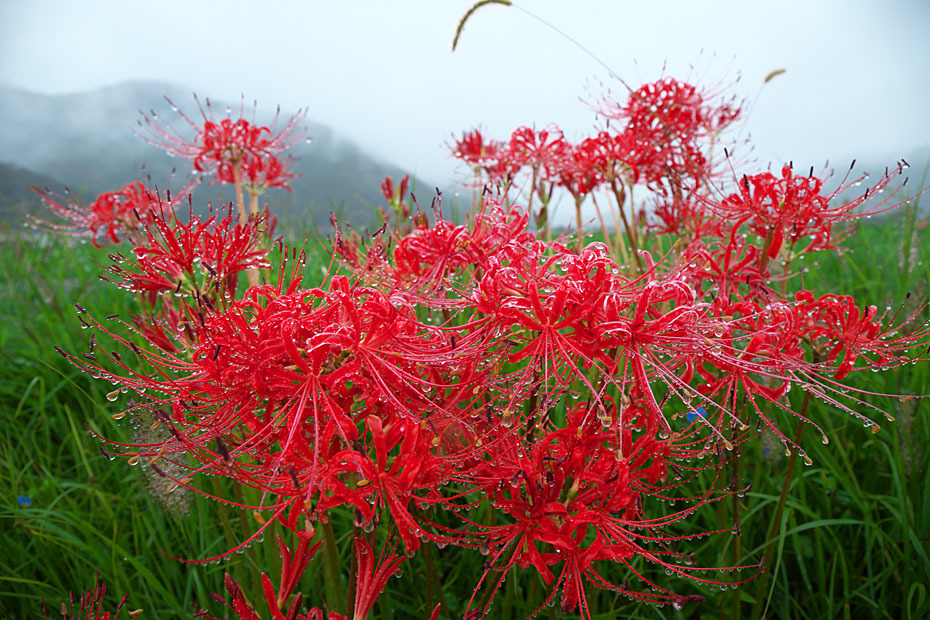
(335, 594)
(353, 577)
(578, 200)
(244, 522)
(433, 578)
(775, 526)
(240, 202)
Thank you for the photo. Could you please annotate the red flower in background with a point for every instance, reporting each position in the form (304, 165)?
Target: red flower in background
(113, 216)
(664, 124)
(228, 147)
(539, 150)
(490, 156)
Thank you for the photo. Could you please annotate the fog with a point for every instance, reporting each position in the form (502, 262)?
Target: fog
(383, 74)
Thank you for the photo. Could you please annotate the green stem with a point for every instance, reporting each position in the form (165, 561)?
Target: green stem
(433, 579)
(335, 593)
(737, 543)
(246, 526)
(384, 606)
(225, 523)
(353, 577)
(775, 526)
(620, 195)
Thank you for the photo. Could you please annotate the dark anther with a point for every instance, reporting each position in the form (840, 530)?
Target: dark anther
(178, 290)
(216, 351)
(294, 478)
(63, 354)
(80, 308)
(105, 453)
(112, 316)
(221, 447)
(175, 433)
(157, 469)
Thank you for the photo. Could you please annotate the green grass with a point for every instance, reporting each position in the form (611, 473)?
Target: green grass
(855, 537)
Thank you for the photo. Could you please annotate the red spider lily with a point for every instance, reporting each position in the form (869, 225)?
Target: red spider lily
(541, 151)
(394, 195)
(90, 605)
(581, 166)
(664, 124)
(683, 216)
(172, 327)
(201, 257)
(113, 216)
(474, 149)
(434, 255)
(229, 148)
(548, 312)
(796, 207)
(292, 568)
(835, 327)
(373, 576)
(404, 463)
(489, 156)
(261, 174)
(584, 478)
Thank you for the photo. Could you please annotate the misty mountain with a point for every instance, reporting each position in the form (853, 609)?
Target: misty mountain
(15, 197)
(86, 141)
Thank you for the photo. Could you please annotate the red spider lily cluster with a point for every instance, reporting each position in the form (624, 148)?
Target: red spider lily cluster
(485, 386)
(238, 152)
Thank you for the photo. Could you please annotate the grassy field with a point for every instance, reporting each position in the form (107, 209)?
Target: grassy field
(853, 541)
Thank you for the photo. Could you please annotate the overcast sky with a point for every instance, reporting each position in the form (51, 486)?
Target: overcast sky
(857, 80)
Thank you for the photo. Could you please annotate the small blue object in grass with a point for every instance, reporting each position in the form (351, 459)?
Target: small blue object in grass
(692, 415)
(25, 501)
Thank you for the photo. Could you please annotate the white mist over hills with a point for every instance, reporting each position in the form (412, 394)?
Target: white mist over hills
(383, 77)
(382, 74)
(87, 142)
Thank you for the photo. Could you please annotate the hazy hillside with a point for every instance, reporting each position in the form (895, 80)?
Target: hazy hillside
(86, 141)
(15, 197)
